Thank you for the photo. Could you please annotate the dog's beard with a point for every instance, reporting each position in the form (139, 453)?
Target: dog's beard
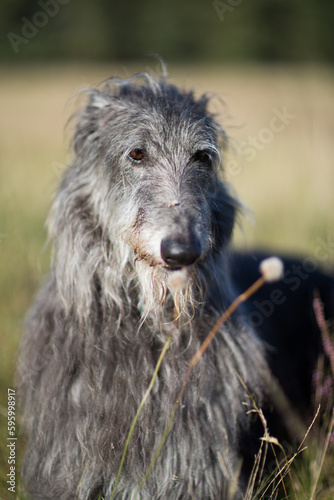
(166, 294)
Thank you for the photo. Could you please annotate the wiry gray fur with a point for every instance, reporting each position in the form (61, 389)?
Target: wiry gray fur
(98, 326)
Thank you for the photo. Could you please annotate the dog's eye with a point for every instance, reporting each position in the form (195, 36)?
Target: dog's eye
(137, 155)
(202, 157)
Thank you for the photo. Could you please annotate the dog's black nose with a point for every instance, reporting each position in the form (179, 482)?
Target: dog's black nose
(179, 252)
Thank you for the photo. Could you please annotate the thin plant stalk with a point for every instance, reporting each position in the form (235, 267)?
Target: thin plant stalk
(286, 467)
(322, 459)
(147, 393)
(199, 353)
(328, 347)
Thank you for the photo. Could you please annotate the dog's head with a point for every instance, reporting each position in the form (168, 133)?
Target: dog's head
(148, 157)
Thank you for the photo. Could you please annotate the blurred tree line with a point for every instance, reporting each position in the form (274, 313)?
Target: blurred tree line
(200, 30)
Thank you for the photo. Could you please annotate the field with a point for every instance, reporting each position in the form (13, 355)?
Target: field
(280, 121)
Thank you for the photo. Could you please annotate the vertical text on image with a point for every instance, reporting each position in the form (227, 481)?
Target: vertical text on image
(11, 440)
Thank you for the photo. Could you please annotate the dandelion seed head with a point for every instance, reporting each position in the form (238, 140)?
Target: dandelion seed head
(178, 280)
(272, 269)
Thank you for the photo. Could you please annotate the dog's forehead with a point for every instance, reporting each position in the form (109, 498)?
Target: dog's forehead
(157, 117)
(171, 117)
(173, 133)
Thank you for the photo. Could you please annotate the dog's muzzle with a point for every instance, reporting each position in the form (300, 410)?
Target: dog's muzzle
(180, 251)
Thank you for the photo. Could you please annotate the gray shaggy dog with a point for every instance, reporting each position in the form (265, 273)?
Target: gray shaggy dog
(141, 203)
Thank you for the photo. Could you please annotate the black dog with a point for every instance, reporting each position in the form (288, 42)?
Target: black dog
(283, 315)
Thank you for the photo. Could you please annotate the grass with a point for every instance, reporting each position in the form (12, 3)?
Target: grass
(288, 185)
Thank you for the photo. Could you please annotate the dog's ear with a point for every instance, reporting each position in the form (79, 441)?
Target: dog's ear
(88, 121)
(225, 208)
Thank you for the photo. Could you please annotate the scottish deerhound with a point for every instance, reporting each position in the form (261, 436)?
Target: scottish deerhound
(142, 201)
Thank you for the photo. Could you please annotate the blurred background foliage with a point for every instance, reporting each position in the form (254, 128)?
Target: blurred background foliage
(214, 30)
